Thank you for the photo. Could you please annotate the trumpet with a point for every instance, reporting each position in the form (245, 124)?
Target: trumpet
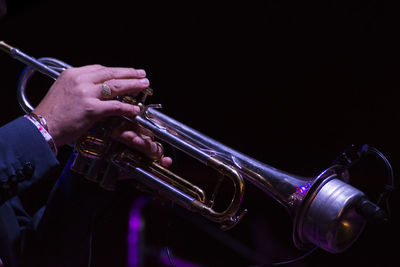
(325, 209)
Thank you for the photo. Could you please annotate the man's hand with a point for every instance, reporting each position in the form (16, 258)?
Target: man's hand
(132, 135)
(74, 102)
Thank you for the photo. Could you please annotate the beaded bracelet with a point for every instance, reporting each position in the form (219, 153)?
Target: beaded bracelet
(40, 119)
(41, 123)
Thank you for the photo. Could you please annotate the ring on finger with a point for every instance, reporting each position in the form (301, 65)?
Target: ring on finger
(160, 149)
(105, 91)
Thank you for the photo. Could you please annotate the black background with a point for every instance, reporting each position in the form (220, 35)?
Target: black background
(288, 83)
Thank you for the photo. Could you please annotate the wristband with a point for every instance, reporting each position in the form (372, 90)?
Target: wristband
(41, 124)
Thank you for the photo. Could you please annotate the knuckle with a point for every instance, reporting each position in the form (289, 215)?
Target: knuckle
(67, 74)
(131, 72)
(89, 106)
(107, 73)
(72, 76)
(134, 72)
(97, 66)
(116, 107)
(116, 84)
(90, 110)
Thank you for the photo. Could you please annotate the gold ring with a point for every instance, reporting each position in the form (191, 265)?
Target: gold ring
(160, 148)
(105, 91)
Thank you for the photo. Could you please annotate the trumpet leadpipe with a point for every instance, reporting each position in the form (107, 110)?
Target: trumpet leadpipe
(28, 60)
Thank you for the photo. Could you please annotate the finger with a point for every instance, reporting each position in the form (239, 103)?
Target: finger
(79, 74)
(115, 108)
(166, 161)
(104, 74)
(125, 86)
(89, 68)
(123, 136)
(131, 125)
(146, 146)
(131, 135)
(143, 145)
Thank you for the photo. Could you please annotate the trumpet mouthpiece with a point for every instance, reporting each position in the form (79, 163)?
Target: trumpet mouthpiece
(5, 47)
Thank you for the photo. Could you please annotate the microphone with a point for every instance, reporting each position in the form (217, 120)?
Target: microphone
(372, 212)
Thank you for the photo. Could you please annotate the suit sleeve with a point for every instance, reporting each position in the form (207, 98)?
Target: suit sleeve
(25, 157)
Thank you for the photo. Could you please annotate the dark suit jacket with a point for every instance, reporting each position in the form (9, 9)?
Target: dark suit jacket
(62, 235)
(25, 157)
(57, 234)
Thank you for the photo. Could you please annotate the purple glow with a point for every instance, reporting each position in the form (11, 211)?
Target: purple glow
(134, 221)
(135, 227)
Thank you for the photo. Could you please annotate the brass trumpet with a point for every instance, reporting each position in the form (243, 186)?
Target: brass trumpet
(324, 209)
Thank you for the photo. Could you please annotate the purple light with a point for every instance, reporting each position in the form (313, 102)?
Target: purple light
(133, 239)
(134, 222)
(135, 226)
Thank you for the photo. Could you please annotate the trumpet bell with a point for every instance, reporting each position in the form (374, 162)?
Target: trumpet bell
(327, 217)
